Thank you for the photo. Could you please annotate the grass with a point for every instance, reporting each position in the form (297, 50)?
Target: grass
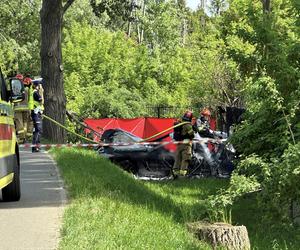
(109, 209)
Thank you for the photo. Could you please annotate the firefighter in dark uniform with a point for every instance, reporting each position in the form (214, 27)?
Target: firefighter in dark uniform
(36, 115)
(183, 154)
(202, 125)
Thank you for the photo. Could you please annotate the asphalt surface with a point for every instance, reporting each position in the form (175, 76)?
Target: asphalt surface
(34, 222)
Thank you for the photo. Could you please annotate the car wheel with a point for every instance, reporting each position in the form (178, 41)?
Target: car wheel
(12, 192)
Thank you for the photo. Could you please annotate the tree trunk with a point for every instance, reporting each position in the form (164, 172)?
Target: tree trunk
(51, 67)
(221, 235)
(266, 6)
(295, 212)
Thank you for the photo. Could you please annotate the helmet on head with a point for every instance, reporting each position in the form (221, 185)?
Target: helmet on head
(205, 112)
(187, 116)
(27, 81)
(19, 76)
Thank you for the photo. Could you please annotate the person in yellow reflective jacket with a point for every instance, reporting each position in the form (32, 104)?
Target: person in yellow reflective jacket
(22, 110)
(183, 154)
(39, 82)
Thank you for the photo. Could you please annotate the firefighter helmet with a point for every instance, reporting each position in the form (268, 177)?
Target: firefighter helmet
(205, 112)
(27, 81)
(187, 116)
(20, 77)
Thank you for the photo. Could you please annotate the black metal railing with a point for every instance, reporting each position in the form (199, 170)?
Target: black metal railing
(166, 111)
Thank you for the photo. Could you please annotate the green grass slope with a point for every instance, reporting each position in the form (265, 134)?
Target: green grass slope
(109, 209)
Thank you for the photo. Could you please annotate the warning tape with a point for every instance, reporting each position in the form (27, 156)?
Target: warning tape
(70, 131)
(164, 131)
(27, 145)
(142, 142)
(92, 141)
(48, 146)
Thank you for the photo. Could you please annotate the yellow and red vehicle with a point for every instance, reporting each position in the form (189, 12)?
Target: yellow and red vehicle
(9, 150)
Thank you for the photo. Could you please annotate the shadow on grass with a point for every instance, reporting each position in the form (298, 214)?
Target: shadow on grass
(200, 188)
(247, 211)
(89, 175)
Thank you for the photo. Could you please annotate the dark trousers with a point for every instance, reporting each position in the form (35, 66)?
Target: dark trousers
(37, 128)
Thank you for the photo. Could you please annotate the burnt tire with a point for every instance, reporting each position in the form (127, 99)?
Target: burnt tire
(12, 192)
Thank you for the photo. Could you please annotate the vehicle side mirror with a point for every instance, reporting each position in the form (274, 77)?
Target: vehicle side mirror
(17, 90)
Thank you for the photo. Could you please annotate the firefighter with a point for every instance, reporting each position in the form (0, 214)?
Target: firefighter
(36, 115)
(22, 110)
(202, 126)
(208, 150)
(183, 154)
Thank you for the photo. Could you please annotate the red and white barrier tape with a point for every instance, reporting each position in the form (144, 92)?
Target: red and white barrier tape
(117, 144)
(48, 146)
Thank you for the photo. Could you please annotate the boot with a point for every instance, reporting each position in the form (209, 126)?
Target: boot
(182, 172)
(175, 173)
(34, 150)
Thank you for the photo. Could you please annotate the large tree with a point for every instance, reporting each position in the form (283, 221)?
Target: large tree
(52, 67)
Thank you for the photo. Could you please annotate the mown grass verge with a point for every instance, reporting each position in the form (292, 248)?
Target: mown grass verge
(109, 209)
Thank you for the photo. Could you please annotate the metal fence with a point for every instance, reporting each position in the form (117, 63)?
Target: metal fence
(166, 111)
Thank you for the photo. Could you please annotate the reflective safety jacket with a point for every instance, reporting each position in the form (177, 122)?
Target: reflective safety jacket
(187, 131)
(37, 102)
(25, 105)
(30, 99)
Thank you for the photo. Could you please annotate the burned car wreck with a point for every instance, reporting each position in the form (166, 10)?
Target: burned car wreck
(155, 161)
(139, 159)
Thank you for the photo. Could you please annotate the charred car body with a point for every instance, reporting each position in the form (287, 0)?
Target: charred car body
(140, 159)
(155, 161)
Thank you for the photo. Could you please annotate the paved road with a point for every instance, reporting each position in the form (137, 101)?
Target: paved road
(34, 222)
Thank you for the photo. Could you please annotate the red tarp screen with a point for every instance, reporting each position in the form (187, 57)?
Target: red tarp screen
(141, 127)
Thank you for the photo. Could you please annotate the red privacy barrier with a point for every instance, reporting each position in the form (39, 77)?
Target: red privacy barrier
(141, 127)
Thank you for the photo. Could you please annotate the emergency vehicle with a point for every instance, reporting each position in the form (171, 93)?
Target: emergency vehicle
(9, 150)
